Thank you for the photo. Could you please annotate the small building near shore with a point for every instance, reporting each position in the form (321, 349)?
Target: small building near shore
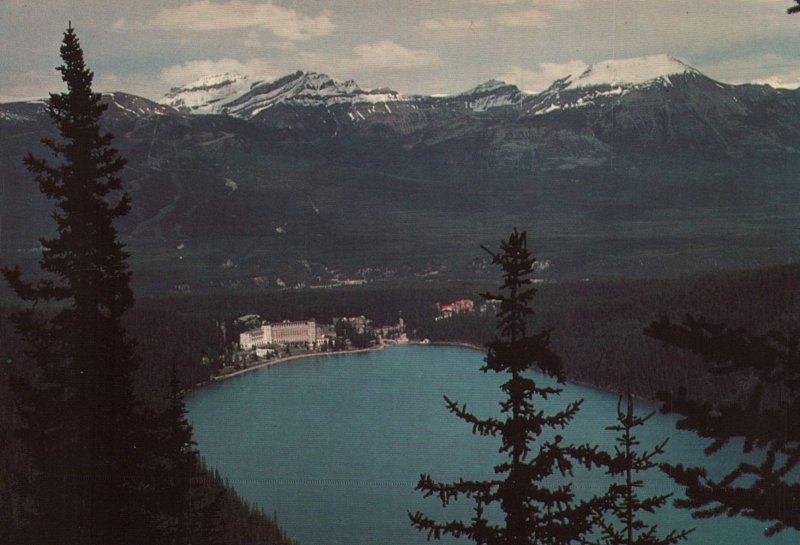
(263, 352)
(460, 306)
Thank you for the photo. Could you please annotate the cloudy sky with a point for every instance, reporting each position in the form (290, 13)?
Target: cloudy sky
(413, 46)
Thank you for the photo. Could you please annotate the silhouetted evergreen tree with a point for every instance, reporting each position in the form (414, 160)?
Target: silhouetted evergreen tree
(794, 9)
(177, 466)
(765, 414)
(185, 507)
(625, 525)
(81, 427)
(536, 508)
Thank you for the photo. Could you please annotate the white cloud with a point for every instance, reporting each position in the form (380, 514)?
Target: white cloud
(252, 40)
(786, 80)
(447, 23)
(388, 54)
(536, 13)
(205, 15)
(771, 68)
(561, 5)
(31, 85)
(107, 82)
(684, 27)
(540, 78)
(532, 18)
(138, 41)
(181, 74)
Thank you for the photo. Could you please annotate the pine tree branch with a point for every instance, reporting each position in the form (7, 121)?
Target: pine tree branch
(484, 427)
(778, 502)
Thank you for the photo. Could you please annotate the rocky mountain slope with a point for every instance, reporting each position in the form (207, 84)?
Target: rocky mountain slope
(645, 102)
(634, 167)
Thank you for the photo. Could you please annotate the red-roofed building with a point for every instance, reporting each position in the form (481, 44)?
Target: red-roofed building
(459, 306)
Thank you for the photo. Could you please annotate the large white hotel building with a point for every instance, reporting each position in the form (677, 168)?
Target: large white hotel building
(305, 332)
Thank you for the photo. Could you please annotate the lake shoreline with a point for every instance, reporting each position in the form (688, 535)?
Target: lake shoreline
(298, 439)
(471, 346)
(269, 363)
(457, 344)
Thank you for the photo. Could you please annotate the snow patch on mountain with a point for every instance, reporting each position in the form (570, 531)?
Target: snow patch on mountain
(134, 106)
(307, 89)
(490, 94)
(608, 80)
(245, 97)
(206, 95)
(240, 96)
(637, 71)
(10, 116)
(490, 86)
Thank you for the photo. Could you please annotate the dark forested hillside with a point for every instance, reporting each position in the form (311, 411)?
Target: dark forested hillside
(192, 331)
(234, 521)
(598, 325)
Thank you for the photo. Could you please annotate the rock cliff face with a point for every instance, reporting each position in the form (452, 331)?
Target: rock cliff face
(640, 166)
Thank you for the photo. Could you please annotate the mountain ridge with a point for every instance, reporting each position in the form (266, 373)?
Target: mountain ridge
(234, 94)
(674, 173)
(631, 72)
(231, 96)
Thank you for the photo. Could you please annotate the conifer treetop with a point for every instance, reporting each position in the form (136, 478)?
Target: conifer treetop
(86, 261)
(532, 485)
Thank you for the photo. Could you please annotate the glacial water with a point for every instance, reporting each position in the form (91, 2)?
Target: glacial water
(334, 445)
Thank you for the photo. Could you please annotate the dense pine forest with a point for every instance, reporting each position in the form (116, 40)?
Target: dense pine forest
(597, 330)
(597, 326)
(234, 521)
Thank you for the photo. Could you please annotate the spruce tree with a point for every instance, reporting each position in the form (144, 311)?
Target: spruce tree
(765, 416)
(177, 467)
(80, 424)
(621, 522)
(531, 486)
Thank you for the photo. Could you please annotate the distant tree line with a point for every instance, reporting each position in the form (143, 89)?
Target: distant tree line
(600, 325)
(346, 331)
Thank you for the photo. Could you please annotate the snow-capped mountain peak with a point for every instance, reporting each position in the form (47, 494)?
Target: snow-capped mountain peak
(630, 72)
(610, 80)
(316, 84)
(246, 97)
(487, 87)
(207, 94)
(242, 96)
(490, 94)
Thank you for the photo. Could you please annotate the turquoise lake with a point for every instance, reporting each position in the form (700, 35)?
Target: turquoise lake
(334, 445)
